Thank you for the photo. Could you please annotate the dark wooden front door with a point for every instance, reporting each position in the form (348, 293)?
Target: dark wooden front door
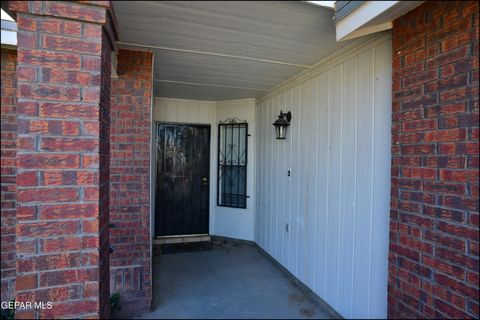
(182, 199)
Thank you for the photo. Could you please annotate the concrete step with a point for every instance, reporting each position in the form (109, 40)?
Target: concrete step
(181, 239)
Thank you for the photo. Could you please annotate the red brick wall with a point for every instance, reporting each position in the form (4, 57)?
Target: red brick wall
(434, 256)
(130, 180)
(8, 189)
(62, 156)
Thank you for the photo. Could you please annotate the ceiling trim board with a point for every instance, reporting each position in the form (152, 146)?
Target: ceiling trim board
(209, 85)
(213, 54)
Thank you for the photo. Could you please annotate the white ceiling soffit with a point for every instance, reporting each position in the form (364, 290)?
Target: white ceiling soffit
(220, 50)
(371, 17)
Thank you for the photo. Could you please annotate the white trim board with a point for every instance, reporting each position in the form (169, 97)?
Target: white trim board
(371, 17)
(9, 33)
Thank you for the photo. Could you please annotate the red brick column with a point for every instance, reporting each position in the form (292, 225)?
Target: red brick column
(130, 180)
(64, 51)
(434, 239)
(8, 192)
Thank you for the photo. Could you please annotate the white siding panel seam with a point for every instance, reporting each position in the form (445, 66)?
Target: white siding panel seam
(339, 232)
(330, 89)
(317, 108)
(355, 183)
(373, 178)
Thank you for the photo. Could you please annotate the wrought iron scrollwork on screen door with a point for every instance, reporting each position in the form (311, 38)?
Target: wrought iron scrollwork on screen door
(232, 163)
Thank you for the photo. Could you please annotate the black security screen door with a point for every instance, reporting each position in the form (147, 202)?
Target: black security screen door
(182, 200)
(232, 164)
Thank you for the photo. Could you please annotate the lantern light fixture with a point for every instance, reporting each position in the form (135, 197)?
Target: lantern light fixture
(281, 124)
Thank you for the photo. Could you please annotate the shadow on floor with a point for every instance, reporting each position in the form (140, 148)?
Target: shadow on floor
(233, 280)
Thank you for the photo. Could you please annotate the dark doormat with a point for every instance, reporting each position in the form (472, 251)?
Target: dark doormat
(185, 247)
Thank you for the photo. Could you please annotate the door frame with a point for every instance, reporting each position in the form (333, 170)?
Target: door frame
(155, 160)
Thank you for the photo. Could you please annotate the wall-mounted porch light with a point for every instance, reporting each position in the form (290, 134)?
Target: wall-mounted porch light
(281, 124)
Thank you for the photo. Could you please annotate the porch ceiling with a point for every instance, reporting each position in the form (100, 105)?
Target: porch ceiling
(219, 50)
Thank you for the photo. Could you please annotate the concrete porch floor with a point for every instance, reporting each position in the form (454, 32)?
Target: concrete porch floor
(234, 280)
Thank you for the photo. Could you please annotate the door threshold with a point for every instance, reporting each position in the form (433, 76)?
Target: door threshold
(182, 238)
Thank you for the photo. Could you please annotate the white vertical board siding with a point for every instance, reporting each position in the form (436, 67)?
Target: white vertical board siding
(229, 222)
(336, 201)
(184, 111)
